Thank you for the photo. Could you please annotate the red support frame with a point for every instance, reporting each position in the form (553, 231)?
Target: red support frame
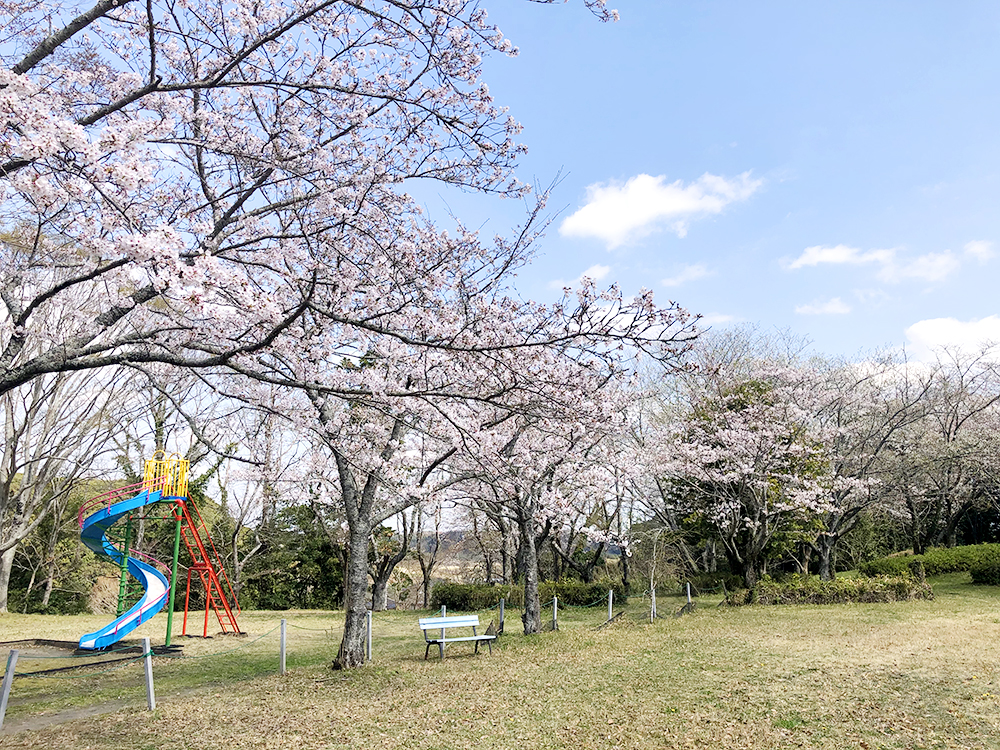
(207, 563)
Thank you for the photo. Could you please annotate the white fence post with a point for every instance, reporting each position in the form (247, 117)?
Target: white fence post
(444, 613)
(8, 680)
(281, 647)
(500, 629)
(555, 613)
(148, 658)
(368, 637)
(611, 603)
(652, 605)
(689, 592)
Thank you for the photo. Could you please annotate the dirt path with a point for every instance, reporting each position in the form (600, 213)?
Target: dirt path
(68, 715)
(43, 721)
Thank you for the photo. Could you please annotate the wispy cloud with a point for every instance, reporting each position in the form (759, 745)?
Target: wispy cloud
(929, 267)
(840, 254)
(927, 335)
(688, 273)
(980, 250)
(834, 306)
(892, 267)
(594, 273)
(618, 213)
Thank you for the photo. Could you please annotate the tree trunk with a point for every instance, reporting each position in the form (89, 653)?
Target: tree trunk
(352, 647)
(380, 594)
(6, 564)
(532, 616)
(27, 591)
(748, 568)
(49, 583)
(557, 566)
(709, 558)
(826, 546)
(427, 591)
(426, 579)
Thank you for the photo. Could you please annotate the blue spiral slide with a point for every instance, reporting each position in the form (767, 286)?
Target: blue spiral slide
(154, 583)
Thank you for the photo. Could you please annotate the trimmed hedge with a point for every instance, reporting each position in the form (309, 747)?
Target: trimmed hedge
(470, 597)
(811, 590)
(987, 574)
(936, 561)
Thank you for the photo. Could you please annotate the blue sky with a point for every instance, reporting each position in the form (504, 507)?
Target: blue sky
(832, 168)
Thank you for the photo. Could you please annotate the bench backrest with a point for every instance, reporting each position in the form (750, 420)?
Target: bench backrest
(457, 621)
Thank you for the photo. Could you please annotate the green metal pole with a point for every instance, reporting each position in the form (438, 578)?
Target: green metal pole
(123, 582)
(173, 580)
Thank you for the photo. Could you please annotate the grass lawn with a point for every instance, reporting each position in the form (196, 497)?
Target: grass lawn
(909, 675)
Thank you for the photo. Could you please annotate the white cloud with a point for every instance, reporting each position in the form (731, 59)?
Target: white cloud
(840, 254)
(594, 273)
(688, 273)
(980, 250)
(929, 267)
(832, 307)
(618, 213)
(970, 336)
(892, 268)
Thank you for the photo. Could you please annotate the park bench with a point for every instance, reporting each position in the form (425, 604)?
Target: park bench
(440, 624)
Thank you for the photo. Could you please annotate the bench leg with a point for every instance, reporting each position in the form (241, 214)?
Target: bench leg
(490, 644)
(427, 651)
(441, 648)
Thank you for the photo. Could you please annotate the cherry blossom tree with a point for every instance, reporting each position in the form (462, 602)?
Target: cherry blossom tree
(540, 465)
(226, 184)
(205, 173)
(868, 404)
(939, 467)
(748, 459)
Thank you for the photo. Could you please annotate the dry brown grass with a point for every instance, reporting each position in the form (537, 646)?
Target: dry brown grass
(908, 675)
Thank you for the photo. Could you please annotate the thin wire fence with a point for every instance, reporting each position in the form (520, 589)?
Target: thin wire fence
(57, 673)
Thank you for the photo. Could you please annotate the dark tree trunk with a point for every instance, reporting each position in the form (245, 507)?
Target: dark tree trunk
(750, 569)
(532, 616)
(709, 558)
(380, 594)
(381, 570)
(826, 546)
(528, 557)
(625, 570)
(352, 647)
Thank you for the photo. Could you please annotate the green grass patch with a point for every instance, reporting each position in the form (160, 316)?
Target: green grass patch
(914, 674)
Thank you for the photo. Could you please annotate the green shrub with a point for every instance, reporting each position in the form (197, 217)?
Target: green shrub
(986, 574)
(580, 594)
(936, 561)
(60, 603)
(811, 590)
(470, 597)
(704, 583)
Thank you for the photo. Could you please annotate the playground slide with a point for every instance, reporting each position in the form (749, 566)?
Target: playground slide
(154, 583)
